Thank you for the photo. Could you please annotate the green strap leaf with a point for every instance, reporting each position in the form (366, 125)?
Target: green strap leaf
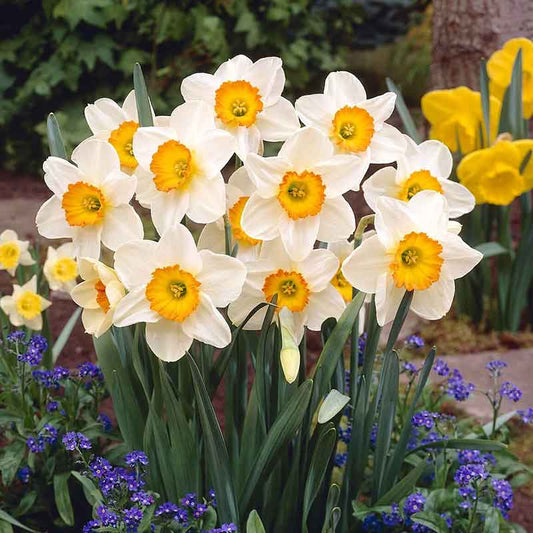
(433, 521)
(144, 109)
(403, 111)
(283, 429)
(399, 319)
(462, 444)
(13, 521)
(55, 140)
(331, 503)
(254, 524)
(490, 249)
(485, 101)
(215, 448)
(64, 336)
(93, 495)
(404, 486)
(62, 497)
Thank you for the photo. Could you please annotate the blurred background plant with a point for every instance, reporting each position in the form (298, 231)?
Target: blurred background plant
(65, 54)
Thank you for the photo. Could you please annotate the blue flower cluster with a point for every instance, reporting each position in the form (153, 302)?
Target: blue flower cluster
(47, 435)
(424, 419)
(29, 352)
(495, 367)
(455, 385)
(90, 374)
(526, 415)
(409, 368)
(73, 440)
(511, 391)
(414, 342)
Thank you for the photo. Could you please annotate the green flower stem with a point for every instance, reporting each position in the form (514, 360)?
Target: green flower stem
(363, 223)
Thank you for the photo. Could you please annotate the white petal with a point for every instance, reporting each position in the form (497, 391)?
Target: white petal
(299, 236)
(241, 180)
(342, 249)
(386, 145)
(316, 110)
(199, 86)
(147, 140)
(167, 340)
(435, 157)
(84, 295)
(342, 173)
(104, 115)
(118, 187)
(459, 258)
(95, 158)
(434, 302)
(212, 238)
(388, 298)
(135, 262)
(146, 189)
(278, 122)
(344, 89)
(267, 75)
(234, 69)
(207, 199)
(363, 267)
(380, 107)
(323, 305)
(177, 246)
(134, 308)
(30, 285)
(59, 174)
(191, 120)
(261, 217)
(381, 183)
(460, 199)
(319, 268)
(429, 210)
(214, 150)
(35, 323)
(8, 305)
(248, 141)
(129, 106)
(51, 222)
(121, 225)
(393, 220)
(306, 148)
(222, 277)
(240, 308)
(8, 235)
(207, 325)
(168, 209)
(86, 241)
(337, 220)
(266, 173)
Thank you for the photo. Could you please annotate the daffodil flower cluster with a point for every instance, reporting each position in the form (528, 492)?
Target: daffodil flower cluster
(271, 214)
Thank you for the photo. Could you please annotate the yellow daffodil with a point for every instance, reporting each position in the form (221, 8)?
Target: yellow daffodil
(238, 191)
(456, 115)
(245, 99)
(60, 268)
(354, 124)
(117, 125)
(500, 69)
(493, 174)
(180, 167)
(13, 252)
(98, 294)
(91, 200)
(25, 306)
(426, 166)
(299, 194)
(303, 288)
(175, 289)
(413, 250)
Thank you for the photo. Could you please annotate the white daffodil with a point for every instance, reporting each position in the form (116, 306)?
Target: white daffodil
(98, 294)
(24, 307)
(179, 167)
(117, 125)
(414, 249)
(91, 200)
(245, 98)
(175, 289)
(353, 123)
(423, 167)
(238, 191)
(60, 267)
(13, 252)
(302, 287)
(299, 194)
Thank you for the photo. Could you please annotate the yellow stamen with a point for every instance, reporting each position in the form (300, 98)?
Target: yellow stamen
(234, 216)
(421, 180)
(29, 305)
(173, 167)
(9, 254)
(84, 204)
(291, 288)
(65, 269)
(417, 262)
(342, 285)
(237, 103)
(352, 129)
(301, 194)
(173, 293)
(122, 140)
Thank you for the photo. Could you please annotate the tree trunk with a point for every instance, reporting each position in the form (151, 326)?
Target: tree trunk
(467, 31)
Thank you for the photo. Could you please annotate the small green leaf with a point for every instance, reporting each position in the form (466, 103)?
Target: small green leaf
(492, 521)
(254, 524)
(55, 140)
(62, 497)
(433, 521)
(403, 111)
(333, 404)
(5, 527)
(93, 495)
(144, 109)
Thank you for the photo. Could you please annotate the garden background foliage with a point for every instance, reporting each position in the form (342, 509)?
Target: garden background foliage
(66, 53)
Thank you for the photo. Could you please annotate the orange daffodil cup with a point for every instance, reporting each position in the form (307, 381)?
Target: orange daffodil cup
(273, 210)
